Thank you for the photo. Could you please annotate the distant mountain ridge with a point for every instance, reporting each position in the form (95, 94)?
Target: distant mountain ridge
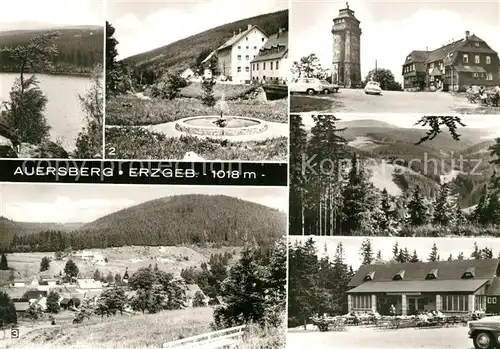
(182, 54)
(426, 165)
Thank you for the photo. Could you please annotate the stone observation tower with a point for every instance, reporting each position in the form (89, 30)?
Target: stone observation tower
(346, 67)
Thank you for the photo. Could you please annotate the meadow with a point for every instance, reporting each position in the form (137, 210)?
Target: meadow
(138, 331)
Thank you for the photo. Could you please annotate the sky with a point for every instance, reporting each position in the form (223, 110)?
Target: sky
(81, 203)
(385, 244)
(408, 121)
(145, 25)
(391, 29)
(36, 14)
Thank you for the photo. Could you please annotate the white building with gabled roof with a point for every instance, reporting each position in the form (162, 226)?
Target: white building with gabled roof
(235, 55)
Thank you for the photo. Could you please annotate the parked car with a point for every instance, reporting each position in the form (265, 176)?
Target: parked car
(326, 87)
(485, 333)
(373, 88)
(310, 86)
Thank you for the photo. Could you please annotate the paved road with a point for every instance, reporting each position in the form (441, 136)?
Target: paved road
(356, 101)
(370, 338)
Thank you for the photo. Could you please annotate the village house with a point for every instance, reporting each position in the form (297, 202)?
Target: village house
(20, 283)
(21, 306)
(271, 63)
(85, 285)
(68, 303)
(235, 55)
(187, 74)
(453, 67)
(459, 286)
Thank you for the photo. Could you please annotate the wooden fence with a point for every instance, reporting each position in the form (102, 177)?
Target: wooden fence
(227, 338)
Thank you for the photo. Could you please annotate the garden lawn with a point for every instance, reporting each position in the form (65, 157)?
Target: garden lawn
(128, 110)
(138, 143)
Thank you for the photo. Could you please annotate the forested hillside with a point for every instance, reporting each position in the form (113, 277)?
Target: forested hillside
(182, 54)
(175, 220)
(79, 49)
(383, 180)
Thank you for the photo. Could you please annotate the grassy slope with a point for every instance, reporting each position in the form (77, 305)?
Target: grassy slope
(183, 53)
(139, 331)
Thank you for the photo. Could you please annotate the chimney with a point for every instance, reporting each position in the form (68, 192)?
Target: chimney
(249, 26)
(467, 33)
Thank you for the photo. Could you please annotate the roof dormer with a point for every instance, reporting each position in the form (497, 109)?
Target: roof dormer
(432, 275)
(399, 275)
(470, 273)
(370, 276)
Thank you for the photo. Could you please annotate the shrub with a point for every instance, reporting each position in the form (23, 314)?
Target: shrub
(169, 87)
(208, 97)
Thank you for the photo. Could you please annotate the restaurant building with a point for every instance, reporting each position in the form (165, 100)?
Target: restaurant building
(452, 287)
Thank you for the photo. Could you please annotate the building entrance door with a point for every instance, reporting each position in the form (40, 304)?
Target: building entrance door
(415, 304)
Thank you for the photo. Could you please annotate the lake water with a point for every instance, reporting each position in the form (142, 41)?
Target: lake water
(63, 110)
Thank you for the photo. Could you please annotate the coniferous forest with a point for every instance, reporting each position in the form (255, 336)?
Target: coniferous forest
(318, 278)
(203, 220)
(79, 49)
(332, 190)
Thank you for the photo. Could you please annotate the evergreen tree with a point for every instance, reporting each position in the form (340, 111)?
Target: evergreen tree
(459, 216)
(45, 264)
(434, 257)
(366, 252)
(113, 74)
(492, 209)
(395, 251)
(3, 262)
(71, 269)
(442, 208)
(378, 257)
(450, 257)
(417, 209)
(460, 256)
(53, 303)
(323, 204)
(414, 257)
(486, 253)
(403, 256)
(8, 315)
(298, 149)
(355, 198)
(479, 214)
(388, 215)
(243, 293)
(476, 254)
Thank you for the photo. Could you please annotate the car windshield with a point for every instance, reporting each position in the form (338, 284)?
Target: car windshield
(373, 83)
(325, 82)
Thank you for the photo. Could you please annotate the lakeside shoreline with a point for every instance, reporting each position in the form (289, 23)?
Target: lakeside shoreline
(83, 75)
